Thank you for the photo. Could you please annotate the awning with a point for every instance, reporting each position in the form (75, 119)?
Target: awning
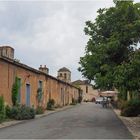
(108, 93)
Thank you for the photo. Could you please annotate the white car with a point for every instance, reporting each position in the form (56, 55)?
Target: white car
(99, 100)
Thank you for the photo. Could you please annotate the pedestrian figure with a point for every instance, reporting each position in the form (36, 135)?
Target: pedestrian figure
(105, 102)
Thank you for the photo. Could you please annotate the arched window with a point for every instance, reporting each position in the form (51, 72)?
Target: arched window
(60, 74)
(65, 75)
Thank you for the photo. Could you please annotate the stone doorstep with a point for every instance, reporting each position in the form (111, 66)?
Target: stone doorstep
(14, 122)
(132, 123)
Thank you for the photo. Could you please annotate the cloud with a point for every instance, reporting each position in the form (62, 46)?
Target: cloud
(45, 32)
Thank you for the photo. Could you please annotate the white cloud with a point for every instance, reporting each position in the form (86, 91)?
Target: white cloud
(48, 32)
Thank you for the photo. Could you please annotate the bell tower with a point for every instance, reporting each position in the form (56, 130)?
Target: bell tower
(64, 74)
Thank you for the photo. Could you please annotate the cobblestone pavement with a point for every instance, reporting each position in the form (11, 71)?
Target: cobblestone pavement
(132, 123)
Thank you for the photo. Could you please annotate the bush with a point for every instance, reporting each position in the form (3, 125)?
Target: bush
(40, 110)
(2, 109)
(21, 112)
(121, 104)
(131, 109)
(14, 113)
(50, 104)
(8, 111)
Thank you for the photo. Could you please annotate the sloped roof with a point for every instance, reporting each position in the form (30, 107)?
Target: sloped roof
(2, 47)
(64, 69)
(13, 62)
(108, 93)
(80, 82)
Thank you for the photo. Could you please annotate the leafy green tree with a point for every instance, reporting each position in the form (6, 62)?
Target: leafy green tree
(127, 75)
(112, 39)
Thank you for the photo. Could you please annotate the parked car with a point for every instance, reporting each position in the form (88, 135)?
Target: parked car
(99, 100)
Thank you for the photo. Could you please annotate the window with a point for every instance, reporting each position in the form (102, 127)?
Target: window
(6, 51)
(65, 75)
(28, 92)
(86, 89)
(40, 84)
(60, 74)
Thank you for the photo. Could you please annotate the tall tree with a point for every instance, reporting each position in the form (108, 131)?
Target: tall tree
(112, 38)
(127, 75)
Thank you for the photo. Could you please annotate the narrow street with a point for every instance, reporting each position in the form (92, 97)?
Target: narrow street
(85, 121)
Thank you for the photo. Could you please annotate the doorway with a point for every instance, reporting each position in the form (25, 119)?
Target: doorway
(27, 94)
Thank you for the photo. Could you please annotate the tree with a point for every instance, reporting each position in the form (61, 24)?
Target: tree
(112, 39)
(127, 75)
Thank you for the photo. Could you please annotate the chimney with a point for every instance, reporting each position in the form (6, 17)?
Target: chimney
(44, 69)
(7, 51)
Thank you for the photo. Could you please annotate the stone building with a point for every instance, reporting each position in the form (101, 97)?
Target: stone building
(44, 69)
(88, 91)
(7, 51)
(30, 80)
(64, 74)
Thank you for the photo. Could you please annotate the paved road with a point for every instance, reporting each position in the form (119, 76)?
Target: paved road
(85, 121)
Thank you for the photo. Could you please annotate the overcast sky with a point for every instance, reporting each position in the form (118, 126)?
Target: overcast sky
(48, 32)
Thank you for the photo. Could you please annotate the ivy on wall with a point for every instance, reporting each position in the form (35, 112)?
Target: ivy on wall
(2, 109)
(15, 92)
(39, 95)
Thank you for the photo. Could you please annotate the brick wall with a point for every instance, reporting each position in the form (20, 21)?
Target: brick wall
(58, 90)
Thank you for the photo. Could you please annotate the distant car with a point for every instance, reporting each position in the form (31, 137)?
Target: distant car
(99, 100)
